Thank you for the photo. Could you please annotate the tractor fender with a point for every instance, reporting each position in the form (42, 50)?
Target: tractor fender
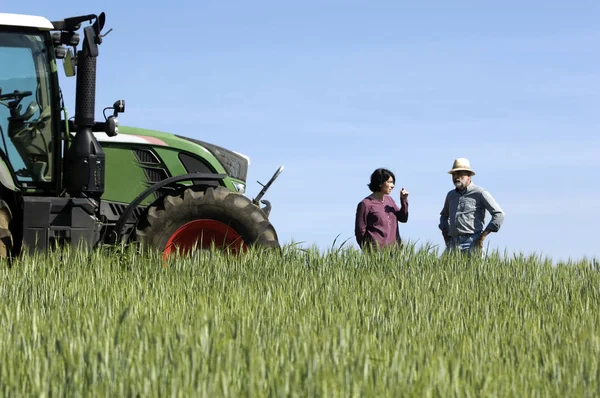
(117, 232)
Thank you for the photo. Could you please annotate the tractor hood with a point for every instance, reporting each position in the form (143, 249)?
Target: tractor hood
(234, 164)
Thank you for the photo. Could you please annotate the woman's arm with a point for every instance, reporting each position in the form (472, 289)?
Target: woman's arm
(402, 212)
(360, 223)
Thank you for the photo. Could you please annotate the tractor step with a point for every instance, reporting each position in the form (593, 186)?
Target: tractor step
(48, 222)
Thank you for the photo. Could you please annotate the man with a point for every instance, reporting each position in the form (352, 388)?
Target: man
(462, 219)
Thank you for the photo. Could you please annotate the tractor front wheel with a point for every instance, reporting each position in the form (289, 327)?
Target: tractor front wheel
(202, 219)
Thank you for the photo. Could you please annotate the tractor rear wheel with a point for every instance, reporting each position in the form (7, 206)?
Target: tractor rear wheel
(200, 219)
(6, 239)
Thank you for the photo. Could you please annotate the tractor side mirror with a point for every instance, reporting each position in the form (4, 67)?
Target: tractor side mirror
(119, 107)
(111, 127)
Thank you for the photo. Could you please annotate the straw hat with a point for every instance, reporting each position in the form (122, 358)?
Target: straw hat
(462, 164)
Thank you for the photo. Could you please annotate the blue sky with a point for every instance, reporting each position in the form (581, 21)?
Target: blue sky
(333, 90)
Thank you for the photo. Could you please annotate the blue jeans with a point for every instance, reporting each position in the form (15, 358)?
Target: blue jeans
(465, 243)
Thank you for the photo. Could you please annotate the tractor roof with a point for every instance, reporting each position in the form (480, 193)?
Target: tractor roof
(30, 21)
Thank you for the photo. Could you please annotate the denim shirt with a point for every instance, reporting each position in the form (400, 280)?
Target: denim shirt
(464, 212)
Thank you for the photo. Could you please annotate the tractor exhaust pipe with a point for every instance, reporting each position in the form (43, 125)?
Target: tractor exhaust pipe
(85, 94)
(84, 175)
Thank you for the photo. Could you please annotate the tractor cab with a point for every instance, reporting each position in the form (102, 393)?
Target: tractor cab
(50, 181)
(29, 107)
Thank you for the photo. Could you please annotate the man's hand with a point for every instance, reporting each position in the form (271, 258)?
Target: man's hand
(479, 241)
(403, 194)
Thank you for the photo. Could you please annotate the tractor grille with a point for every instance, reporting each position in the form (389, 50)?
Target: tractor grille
(155, 174)
(146, 156)
(153, 168)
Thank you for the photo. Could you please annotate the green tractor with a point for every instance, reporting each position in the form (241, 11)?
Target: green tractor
(78, 181)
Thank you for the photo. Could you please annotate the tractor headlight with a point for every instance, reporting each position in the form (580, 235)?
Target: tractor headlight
(240, 187)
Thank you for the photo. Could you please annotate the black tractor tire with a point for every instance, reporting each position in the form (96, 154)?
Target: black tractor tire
(6, 239)
(162, 219)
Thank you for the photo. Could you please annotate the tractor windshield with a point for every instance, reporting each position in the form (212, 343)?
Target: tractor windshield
(25, 110)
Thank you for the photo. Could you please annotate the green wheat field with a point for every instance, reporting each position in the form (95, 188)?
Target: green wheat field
(300, 322)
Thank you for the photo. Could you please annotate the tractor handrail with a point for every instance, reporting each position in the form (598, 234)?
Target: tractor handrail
(186, 177)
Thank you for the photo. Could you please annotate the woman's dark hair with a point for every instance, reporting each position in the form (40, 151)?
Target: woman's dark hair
(378, 177)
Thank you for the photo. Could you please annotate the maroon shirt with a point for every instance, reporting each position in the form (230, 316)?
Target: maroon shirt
(377, 222)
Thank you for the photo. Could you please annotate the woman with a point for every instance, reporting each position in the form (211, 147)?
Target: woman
(377, 215)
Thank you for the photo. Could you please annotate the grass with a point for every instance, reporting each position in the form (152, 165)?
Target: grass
(298, 323)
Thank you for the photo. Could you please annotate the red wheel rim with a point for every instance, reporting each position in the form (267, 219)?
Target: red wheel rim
(202, 234)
